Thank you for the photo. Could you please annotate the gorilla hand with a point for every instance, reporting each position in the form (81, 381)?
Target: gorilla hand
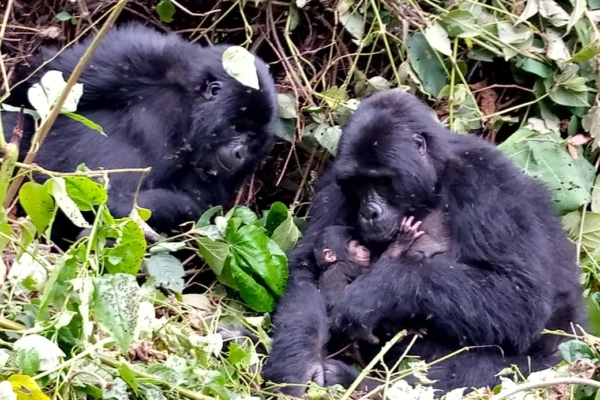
(355, 322)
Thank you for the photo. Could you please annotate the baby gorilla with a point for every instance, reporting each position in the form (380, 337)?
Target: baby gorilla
(342, 258)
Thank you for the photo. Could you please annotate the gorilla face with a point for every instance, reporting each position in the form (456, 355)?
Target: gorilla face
(236, 123)
(385, 167)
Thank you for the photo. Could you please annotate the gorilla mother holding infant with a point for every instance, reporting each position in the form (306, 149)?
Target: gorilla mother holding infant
(509, 271)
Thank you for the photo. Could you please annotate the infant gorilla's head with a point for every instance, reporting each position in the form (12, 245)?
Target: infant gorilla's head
(339, 243)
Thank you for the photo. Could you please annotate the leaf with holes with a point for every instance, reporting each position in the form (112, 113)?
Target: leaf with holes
(427, 66)
(550, 10)
(545, 157)
(116, 303)
(58, 187)
(287, 105)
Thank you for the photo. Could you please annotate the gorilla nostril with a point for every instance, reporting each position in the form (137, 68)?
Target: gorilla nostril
(238, 155)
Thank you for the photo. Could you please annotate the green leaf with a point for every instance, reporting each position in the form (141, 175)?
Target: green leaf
(586, 53)
(85, 192)
(590, 231)
(544, 156)
(574, 350)
(286, 129)
(327, 136)
(127, 254)
(128, 376)
(287, 234)
(535, 67)
(354, 23)
(116, 303)
(144, 213)
(239, 63)
(89, 123)
(531, 8)
(63, 16)
(258, 254)
(37, 203)
(58, 284)
(335, 97)
(254, 295)
(276, 215)
(28, 361)
(168, 271)
(460, 23)
(425, 63)
(57, 186)
(287, 105)
(165, 10)
(207, 216)
(247, 216)
(437, 38)
(214, 253)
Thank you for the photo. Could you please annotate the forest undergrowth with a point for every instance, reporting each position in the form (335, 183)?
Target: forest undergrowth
(140, 321)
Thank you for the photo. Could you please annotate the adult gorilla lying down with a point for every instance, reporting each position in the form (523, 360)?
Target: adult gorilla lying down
(509, 274)
(164, 103)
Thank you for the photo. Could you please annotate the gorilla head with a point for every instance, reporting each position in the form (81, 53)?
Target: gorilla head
(384, 164)
(231, 140)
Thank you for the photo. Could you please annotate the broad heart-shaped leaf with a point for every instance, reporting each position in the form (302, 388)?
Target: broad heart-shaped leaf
(167, 270)
(275, 216)
(239, 63)
(214, 253)
(287, 234)
(254, 295)
(37, 203)
(258, 254)
(247, 216)
(127, 255)
(437, 37)
(544, 156)
(327, 136)
(85, 192)
(57, 186)
(287, 105)
(574, 350)
(116, 303)
(426, 64)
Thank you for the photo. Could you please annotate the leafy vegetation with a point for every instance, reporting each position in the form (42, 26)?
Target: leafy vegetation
(139, 321)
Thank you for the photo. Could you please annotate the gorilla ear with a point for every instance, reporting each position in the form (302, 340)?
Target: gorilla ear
(420, 141)
(329, 256)
(212, 90)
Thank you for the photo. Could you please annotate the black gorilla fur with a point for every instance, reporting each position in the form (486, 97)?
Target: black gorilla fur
(509, 274)
(164, 103)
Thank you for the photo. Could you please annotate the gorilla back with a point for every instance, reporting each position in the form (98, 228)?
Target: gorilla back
(509, 273)
(164, 103)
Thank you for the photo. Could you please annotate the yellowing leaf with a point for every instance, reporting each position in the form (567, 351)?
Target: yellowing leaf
(26, 388)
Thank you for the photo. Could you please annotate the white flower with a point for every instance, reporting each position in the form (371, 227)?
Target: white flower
(49, 353)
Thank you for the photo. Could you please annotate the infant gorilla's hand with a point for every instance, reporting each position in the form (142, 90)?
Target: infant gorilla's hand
(407, 234)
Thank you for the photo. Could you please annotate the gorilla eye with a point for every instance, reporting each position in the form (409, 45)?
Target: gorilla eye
(212, 90)
(420, 141)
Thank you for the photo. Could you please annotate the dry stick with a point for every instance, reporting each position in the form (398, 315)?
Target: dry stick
(45, 128)
(548, 383)
(2, 31)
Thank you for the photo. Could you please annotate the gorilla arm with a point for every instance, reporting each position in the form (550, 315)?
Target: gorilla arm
(300, 320)
(473, 305)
